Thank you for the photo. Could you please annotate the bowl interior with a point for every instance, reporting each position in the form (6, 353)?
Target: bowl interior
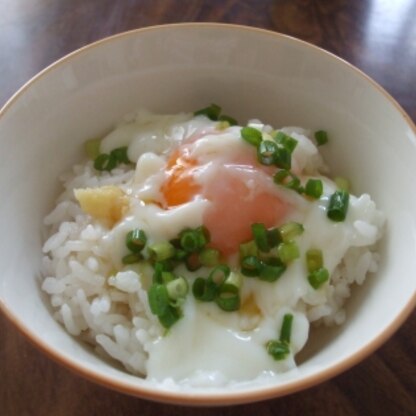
(250, 73)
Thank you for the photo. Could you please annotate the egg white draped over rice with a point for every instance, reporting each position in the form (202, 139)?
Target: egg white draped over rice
(105, 304)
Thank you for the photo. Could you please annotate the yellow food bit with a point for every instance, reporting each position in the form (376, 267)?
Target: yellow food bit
(249, 306)
(250, 313)
(107, 204)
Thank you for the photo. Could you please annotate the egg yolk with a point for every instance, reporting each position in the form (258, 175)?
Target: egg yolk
(234, 207)
(180, 186)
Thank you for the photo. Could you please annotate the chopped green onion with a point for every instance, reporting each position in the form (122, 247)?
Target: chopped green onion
(290, 230)
(204, 290)
(278, 350)
(271, 270)
(288, 252)
(161, 251)
(177, 288)
(212, 112)
(120, 155)
(180, 254)
(170, 316)
(318, 277)
(287, 179)
(160, 267)
(230, 120)
(289, 143)
(248, 249)
(158, 298)
(273, 237)
(266, 152)
(190, 241)
(283, 158)
(131, 258)
(250, 266)
(338, 206)
(314, 188)
(342, 183)
(193, 240)
(286, 329)
(314, 259)
(251, 135)
(108, 162)
(136, 240)
(219, 274)
(228, 301)
(321, 137)
(92, 148)
(232, 282)
(105, 162)
(167, 277)
(259, 232)
(192, 262)
(209, 257)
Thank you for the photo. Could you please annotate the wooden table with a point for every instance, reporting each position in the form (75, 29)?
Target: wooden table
(377, 36)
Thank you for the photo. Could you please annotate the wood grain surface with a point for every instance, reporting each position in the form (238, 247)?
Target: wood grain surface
(378, 36)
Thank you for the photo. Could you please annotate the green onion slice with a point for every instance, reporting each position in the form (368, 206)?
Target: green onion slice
(314, 188)
(212, 112)
(283, 158)
(260, 235)
(204, 290)
(266, 152)
(230, 120)
(105, 162)
(272, 269)
(282, 139)
(219, 274)
(290, 230)
(321, 137)
(338, 206)
(251, 266)
(248, 249)
(161, 251)
(167, 277)
(273, 237)
(278, 350)
(190, 241)
(209, 257)
(170, 316)
(132, 258)
(287, 179)
(232, 283)
(136, 240)
(192, 262)
(158, 299)
(314, 259)
(228, 301)
(286, 329)
(251, 135)
(177, 288)
(120, 155)
(288, 252)
(318, 277)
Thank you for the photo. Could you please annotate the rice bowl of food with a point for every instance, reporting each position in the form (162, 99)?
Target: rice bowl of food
(202, 253)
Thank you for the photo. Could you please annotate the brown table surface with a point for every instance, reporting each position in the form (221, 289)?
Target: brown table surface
(378, 36)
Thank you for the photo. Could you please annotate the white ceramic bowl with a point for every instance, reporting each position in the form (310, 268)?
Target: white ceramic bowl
(251, 73)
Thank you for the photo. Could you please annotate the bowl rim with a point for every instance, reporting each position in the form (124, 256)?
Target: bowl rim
(208, 398)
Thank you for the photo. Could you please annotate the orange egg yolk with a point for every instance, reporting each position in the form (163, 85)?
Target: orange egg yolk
(234, 206)
(180, 186)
